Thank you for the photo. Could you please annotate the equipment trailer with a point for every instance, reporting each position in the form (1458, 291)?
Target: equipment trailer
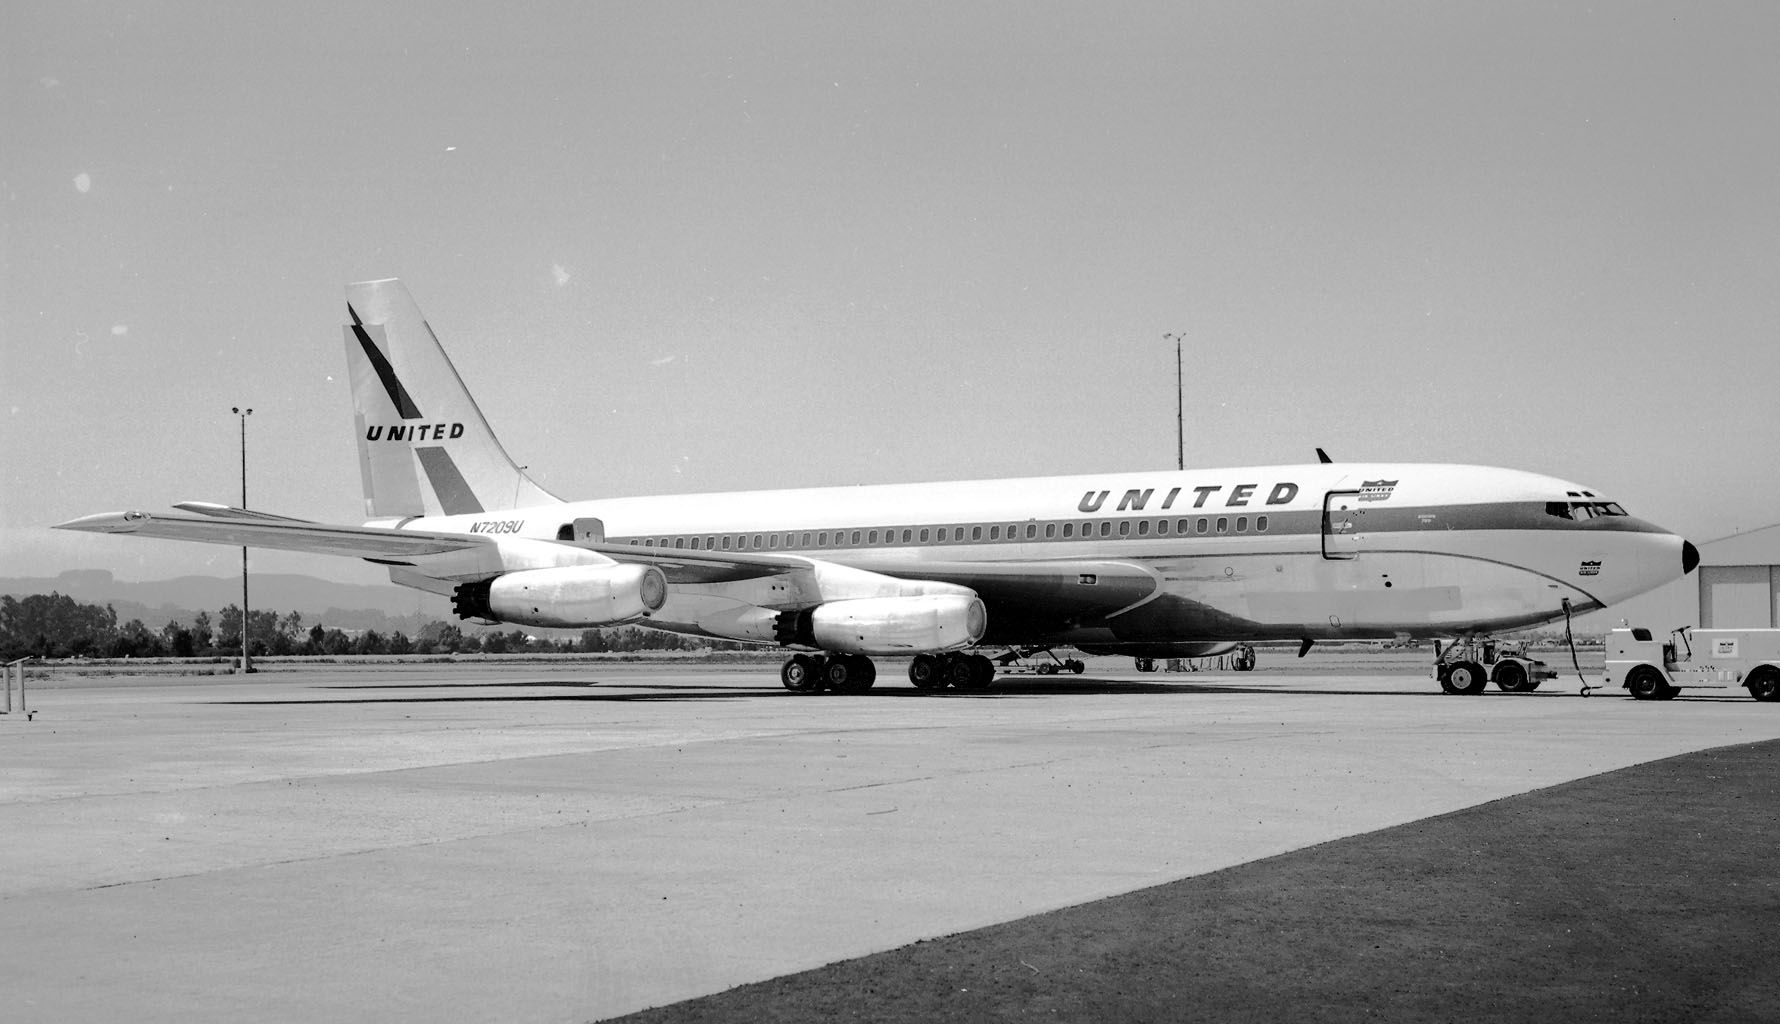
(1707, 659)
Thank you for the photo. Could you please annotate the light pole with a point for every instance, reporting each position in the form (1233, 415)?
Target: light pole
(1180, 407)
(246, 664)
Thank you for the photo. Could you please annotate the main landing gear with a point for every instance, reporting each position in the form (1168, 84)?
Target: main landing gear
(855, 673)
(968, 672)
(841, 673)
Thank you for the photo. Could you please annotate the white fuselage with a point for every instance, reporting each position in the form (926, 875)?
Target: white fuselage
(1305, 551)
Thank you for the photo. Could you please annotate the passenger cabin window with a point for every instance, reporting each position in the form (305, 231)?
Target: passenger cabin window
(923, 534)
(855, 536)
(1050, 531)
(1242, 524)
(1068, 530)
(1143, 528)
(1260, 524)
(1223, 524)
(1199, 527)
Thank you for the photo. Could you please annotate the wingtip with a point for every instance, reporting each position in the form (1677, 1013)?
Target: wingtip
(105, 522)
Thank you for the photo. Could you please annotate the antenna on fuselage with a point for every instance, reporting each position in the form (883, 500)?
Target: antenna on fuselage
(1323, 457)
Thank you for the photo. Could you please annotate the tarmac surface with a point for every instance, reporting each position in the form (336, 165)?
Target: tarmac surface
(570, 842)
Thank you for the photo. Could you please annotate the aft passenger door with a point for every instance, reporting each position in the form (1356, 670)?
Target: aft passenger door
(1341, 524)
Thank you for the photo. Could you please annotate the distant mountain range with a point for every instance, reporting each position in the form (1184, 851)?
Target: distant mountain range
(321, 602)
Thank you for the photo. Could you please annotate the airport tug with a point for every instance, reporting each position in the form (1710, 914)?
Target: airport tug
(1465, 665)
(1716, 659)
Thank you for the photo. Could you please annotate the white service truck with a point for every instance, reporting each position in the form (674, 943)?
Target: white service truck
(1719, 659)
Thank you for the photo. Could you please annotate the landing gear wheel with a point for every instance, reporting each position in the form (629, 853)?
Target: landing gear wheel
(1046, 668)
(799, 674)
(1464, 677)
(1511, 678)
(971, 672)
(959, 673)
(1647, 683)
(1146, 664)
(927, 673)
(1075, 666)
(1765, 686)
(1245, 659)
(849, 673)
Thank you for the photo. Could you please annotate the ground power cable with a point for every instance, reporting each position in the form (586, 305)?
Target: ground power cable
(1570, 639)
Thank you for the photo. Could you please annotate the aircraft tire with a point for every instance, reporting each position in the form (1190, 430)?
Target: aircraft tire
(1646, 683)
(982, 670)
(1465, 677)
(799, 674)
(844, 673)
(972, 673)
(927, 672)
(957, 672)
(1146, 664)
(1075, 666)
(1511, 678)
(1764, 685)
(1245, 658)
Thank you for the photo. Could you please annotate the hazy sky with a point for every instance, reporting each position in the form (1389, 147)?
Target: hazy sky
(709, 247)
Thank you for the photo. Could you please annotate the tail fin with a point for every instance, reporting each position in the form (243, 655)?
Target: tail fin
(423, 446)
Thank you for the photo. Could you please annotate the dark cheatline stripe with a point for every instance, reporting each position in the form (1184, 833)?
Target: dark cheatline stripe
(386, 373)
(455, 496)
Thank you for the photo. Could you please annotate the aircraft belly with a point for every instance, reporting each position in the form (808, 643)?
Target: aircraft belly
(1377, 595)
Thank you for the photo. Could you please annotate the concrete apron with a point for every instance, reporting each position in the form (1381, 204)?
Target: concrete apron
(591, 842)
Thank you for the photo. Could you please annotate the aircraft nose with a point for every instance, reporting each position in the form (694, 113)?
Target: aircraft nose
(1690, 557)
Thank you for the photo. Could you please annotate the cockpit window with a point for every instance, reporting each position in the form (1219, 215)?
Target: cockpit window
(1583, 506)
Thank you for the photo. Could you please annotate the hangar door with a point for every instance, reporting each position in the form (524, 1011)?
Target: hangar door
(1737, 596)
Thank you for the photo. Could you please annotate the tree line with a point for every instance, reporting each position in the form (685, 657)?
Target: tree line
(57, 626)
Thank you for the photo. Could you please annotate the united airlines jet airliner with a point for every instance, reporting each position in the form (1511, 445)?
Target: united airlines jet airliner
(1145, 564)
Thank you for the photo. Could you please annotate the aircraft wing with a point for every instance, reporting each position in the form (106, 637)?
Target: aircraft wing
(1056, 592)
(218, 524)
(1046, 596)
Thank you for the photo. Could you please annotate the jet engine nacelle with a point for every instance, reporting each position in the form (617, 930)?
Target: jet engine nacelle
(571, 596)
(899, 625)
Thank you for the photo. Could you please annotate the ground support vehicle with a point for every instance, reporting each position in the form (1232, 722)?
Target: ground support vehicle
(1237, 658)
(1465, 665)
(1012, 661)
(1706, 659)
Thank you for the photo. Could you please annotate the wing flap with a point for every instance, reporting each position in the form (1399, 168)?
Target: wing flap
(689, 566)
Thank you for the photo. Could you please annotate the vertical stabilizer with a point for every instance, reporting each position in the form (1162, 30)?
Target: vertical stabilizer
(423, 446)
